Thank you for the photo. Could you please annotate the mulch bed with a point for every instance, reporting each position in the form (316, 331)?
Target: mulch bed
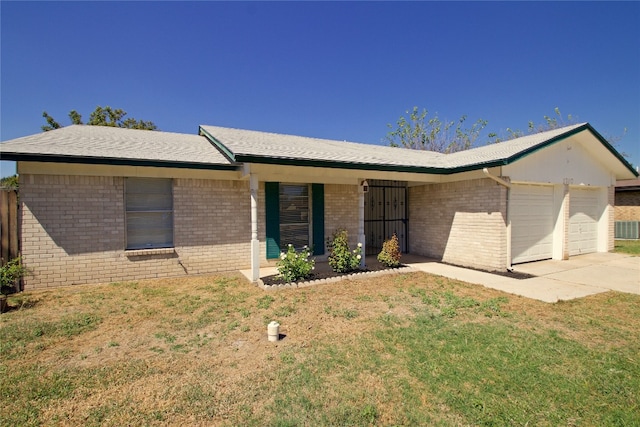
(506, 273)
(277, 280)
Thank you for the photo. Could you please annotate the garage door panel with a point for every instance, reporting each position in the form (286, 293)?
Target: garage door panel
(584, 213)
(532, 222)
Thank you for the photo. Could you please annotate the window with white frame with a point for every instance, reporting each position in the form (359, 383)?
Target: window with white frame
(149, 213)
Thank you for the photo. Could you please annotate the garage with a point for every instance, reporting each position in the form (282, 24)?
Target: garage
(584, 213)
(532, 223)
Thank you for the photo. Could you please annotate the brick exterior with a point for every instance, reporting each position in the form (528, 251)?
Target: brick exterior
(627, 206)
(73, 230)
(461, 223)
(73, 227)
(565, 211)
(212, 225)
(610, 212)
(341, 210)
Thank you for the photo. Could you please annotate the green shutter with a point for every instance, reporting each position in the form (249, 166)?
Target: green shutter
(272, 213)
(317, 191)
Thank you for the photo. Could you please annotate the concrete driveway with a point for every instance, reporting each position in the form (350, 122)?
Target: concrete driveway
(554, 280)
(606, 271)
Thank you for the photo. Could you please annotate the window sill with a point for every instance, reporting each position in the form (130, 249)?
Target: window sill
(145, 252)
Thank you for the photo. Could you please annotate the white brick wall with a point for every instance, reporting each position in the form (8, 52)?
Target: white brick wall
(462, 223)
(73, 227)
(341, 211)
(611, 213)
(73, 230)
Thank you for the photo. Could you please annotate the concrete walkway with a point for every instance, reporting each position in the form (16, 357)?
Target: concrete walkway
(554, 280)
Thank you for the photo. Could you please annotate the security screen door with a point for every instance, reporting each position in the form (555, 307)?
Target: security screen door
(385, 213)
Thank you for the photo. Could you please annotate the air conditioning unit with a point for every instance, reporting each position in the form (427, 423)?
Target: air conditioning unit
(627, 229)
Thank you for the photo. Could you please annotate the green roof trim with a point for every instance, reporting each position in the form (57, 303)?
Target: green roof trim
(569, 134)
(293, 161)
(230, 148)
(45, 158)
(219, 145)
(288, 161)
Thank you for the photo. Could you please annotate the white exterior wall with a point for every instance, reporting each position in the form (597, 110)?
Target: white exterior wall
(565, 162)
(568, 164)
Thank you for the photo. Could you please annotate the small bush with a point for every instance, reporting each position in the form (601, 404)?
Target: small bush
(341, 258)
(390, 253)
(294, 265)
(10, 273)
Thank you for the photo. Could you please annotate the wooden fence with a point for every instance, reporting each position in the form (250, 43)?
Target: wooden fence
(9, 225)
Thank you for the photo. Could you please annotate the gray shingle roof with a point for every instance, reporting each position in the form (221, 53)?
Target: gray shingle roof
(252, 144)
(506, 150)
(101, 142)
(226, 148)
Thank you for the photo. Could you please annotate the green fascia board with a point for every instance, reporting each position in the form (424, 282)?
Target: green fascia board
(219, 145)
(367, 166)
(434, 170)
(288, 161)
(241, 158)
(44, 158)
(569, 134)
(612, 149)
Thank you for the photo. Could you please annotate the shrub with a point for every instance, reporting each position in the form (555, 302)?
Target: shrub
(341, 258)
(390, 253)
(294, 265)
(10, 272)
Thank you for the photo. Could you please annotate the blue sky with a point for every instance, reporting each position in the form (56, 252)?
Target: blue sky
(329, 69)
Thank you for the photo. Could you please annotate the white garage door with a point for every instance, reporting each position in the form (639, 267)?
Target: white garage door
(584, 212)
(532, 222)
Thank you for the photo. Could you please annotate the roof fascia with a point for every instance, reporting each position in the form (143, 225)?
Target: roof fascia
(114, 161)
(338, 165)
(219, 145)
(569, 134)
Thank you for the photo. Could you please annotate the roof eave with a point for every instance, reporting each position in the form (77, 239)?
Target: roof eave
(566, 135)
(289, 161)
(45, 158)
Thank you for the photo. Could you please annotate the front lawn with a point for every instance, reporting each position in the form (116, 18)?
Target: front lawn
(407, 349)
(631, 247)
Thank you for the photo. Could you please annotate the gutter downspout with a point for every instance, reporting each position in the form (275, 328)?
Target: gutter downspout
(507, 185)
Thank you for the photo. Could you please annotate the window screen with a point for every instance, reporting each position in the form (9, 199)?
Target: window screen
(149, 213)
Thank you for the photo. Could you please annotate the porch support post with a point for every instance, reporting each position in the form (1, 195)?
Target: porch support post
(255, 244)
(361, 235)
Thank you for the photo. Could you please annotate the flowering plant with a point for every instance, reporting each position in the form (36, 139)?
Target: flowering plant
(341, 258)
(294, 265)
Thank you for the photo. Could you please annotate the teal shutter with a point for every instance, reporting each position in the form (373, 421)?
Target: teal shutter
(317, 191)
(272, 213)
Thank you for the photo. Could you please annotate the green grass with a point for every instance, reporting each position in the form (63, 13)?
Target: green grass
(409, 350)
(631, 247)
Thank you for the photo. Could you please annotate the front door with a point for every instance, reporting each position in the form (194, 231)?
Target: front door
(386, 212)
